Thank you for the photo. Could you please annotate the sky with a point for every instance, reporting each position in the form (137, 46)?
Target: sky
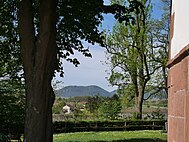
(94, 71)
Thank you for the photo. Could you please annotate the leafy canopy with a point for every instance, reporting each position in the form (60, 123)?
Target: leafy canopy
(77, 22)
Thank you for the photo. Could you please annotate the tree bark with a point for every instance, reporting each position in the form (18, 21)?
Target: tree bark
(139, 103)
(39, 57)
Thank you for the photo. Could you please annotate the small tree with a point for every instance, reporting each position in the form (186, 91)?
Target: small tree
(93, 103)
(138, 54)
(110, 108)
(130, 55)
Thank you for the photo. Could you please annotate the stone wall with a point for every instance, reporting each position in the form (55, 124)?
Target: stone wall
(178, 74)
(178, 99)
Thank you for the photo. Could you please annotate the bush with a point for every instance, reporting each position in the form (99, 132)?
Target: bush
(4, 138)
(110, 108)
(12, 108)
(81, 126)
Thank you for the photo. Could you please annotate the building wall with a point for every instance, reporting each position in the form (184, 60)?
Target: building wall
(180, 37)
(178, 75)
(178, 107)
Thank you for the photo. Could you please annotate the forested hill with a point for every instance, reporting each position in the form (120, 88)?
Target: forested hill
(71, 91)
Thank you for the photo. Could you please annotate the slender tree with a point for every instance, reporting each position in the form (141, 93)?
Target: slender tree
(129, 54)
(138, 55)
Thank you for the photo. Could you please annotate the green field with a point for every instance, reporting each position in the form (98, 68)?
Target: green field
(126, 136)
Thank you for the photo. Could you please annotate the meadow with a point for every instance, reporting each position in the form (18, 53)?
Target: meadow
(114, 136)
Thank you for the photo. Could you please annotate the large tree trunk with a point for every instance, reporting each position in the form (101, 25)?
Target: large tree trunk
(39, 60)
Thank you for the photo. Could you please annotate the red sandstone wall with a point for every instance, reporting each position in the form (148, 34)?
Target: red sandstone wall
(178, 82)
(178, 104)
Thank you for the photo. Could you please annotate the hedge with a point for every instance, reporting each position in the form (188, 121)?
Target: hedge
(82, 126)
(64, 127)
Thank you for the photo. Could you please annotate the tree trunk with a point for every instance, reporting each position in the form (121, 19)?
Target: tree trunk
(40, 61)
(139, 104)
(139, 93)
(141, 85)
(138, 108)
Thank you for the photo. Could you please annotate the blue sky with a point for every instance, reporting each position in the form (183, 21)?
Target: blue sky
(93, 71)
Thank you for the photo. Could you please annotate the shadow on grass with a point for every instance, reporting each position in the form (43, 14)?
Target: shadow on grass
(133, 140)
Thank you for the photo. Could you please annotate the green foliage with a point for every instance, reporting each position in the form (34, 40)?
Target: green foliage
(10, 63)
(58, 105)
(96, 108)
(159, 32)
(127, 96)
(126, 48)
(12, 104)
(78, 98)
(4, 138)
(138, 55)
(129, 55)
(110, 108)
(79, 114)
(71, 29)
(134, 116)
(77, 23)
(94, 103)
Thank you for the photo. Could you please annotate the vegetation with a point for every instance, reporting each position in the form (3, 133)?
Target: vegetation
(12, 105)
(36, 36)
(160, 37)
(44, 32)
(90, 108)
(127, 136)
(138, 56)
(110, 108)
(129, 54)
(108, 125)
(58, 105)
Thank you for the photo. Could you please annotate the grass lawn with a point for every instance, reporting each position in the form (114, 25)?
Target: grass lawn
(125, 136)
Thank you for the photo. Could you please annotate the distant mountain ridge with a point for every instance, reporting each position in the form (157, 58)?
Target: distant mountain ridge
(92, 90)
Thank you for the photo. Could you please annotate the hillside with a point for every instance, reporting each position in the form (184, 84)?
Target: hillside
(71, 91)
